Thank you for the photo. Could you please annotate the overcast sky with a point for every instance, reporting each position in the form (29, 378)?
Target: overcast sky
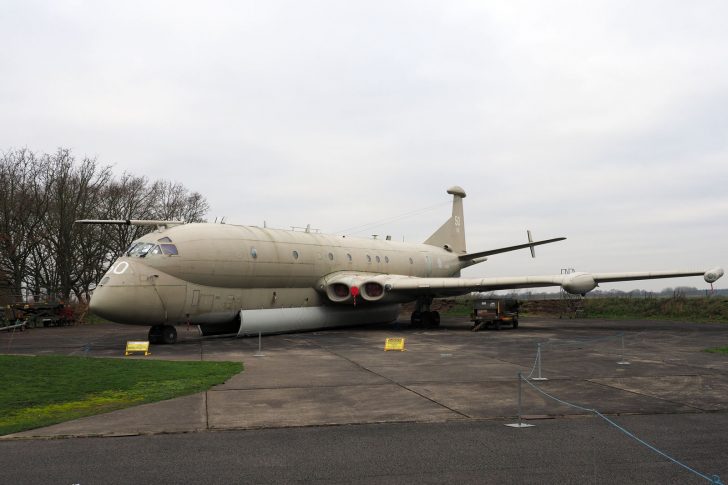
(606, 122)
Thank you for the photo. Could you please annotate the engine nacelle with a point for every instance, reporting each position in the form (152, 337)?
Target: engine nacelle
(579, 284)
(346, 288)
(352, 287)
(713, 275)
(372, 291)
(338, 292)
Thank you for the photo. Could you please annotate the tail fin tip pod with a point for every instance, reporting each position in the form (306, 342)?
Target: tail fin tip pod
(451, 235)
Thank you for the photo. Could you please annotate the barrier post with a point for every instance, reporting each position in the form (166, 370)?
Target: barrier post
(538, 365)
(260, 353)
(520, 423)
(622, 360)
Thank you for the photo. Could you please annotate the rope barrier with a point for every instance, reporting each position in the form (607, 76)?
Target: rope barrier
(552, 343)
(555, 343)
(715, 479)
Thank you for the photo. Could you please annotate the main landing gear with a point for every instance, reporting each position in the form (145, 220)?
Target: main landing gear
(425, 319)
(423, 316)
(162, 334)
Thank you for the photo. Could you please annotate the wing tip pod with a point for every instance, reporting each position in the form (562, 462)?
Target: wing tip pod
(713, 275)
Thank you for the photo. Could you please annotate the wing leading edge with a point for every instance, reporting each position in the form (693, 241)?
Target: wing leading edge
(575, 283)
(344, 287)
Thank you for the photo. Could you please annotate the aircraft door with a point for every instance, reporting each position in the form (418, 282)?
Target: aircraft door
(200, 302)
(173, 300)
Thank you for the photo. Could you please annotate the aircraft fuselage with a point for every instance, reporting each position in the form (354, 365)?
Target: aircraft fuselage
(216, 270)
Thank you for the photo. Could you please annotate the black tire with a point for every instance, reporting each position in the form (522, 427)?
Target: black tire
(497, 324)
(426, 319)
(515, 323)
(416, 319)
(169, 334)
(435, 319)
(155, 334)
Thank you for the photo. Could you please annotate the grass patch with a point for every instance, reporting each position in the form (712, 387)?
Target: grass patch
(718, 350)
(459, 309)
(91, 319)
(44, 390)
(690, 309)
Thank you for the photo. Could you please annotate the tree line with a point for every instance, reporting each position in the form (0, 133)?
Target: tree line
(42, 252)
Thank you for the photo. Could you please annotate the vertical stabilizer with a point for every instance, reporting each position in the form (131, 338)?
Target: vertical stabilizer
(451, 235)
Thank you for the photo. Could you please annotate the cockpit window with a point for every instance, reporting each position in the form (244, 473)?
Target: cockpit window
(164, 240)
(169, 249)
(140, 249)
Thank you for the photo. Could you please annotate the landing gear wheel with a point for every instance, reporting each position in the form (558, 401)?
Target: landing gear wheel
(155, 334)
(169, 334)
(435, 319)
(427, 319)
(515, 323)
(497, 324)
(416, 319)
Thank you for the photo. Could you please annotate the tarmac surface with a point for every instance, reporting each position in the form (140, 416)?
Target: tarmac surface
(332, 406)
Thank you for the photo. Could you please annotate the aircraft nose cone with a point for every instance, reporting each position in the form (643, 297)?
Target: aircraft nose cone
(124, 300)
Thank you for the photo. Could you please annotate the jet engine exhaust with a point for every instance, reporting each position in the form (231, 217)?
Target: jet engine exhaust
(372, 291)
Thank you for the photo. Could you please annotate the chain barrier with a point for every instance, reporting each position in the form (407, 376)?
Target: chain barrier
(715, 479)
(553, 343)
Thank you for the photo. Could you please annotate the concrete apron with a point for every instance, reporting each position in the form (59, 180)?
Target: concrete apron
(344, 377)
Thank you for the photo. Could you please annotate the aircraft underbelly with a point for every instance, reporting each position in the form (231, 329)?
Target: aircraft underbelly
(281, 320)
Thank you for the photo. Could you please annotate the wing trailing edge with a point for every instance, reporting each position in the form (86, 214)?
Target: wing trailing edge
(383, 288)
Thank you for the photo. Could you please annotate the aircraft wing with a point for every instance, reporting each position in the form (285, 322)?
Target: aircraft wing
(576, 283)
(344, 287)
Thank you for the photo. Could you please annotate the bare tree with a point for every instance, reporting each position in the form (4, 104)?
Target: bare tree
(126, 198)
(74, 192)
(172, 201)
(42, 249)
(23, 205)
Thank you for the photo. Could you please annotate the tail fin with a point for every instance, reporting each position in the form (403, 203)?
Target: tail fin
(451, 235)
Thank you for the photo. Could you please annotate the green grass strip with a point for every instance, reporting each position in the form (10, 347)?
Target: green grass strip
(689, 309)
(718, 350)
(44, 390)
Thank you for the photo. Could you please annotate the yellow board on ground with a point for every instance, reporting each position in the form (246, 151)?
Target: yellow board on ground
(394, 344)
(137, 346)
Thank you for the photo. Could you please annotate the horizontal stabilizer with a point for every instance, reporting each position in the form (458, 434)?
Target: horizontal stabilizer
(471, 256)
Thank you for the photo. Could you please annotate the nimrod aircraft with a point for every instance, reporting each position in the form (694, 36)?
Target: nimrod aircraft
(240, 279)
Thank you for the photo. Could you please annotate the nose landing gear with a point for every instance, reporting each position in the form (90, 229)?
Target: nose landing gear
(162, 334)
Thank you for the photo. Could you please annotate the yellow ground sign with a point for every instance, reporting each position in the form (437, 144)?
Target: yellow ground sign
(137, 346)
(394, 344)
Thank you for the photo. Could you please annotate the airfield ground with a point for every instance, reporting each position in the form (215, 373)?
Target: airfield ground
(332, 406)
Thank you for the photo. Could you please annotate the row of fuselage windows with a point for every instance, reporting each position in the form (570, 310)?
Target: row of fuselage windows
(141, 249)
(295, 255)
